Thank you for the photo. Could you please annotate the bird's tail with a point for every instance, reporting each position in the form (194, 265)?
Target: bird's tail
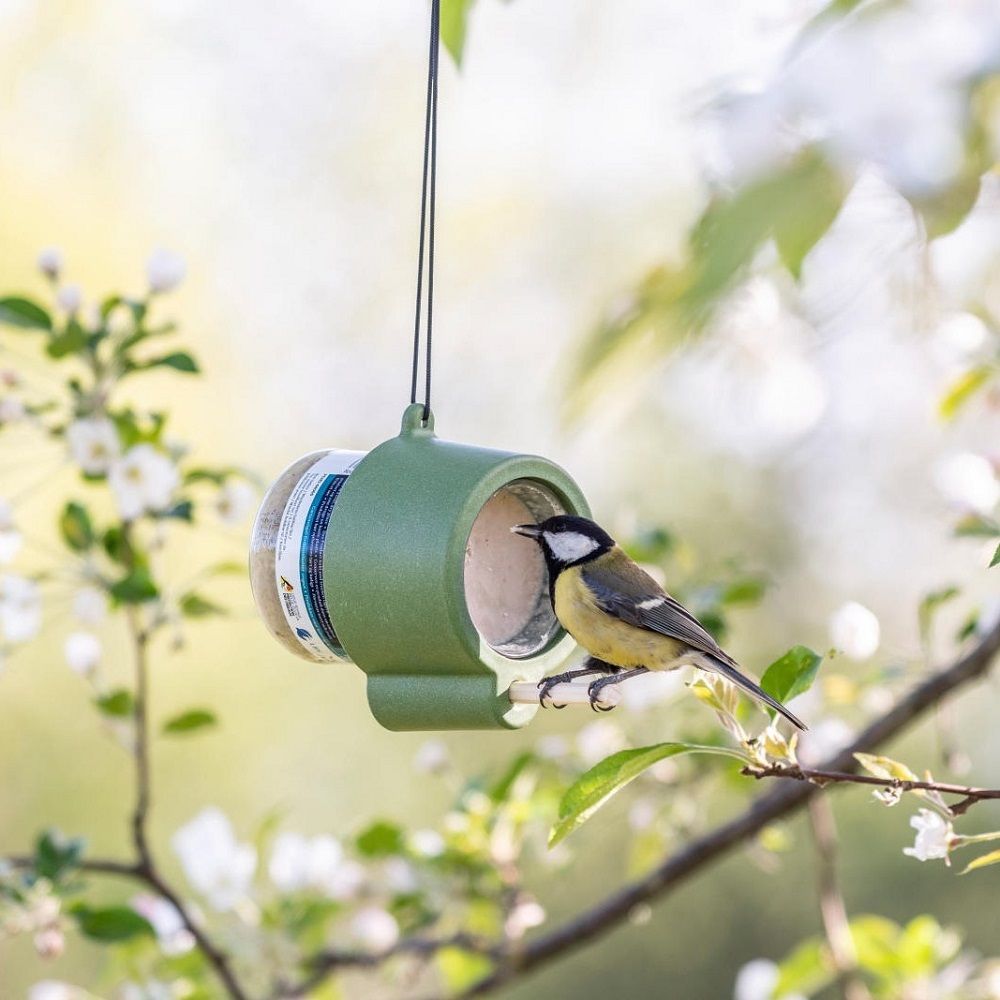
(730, 672)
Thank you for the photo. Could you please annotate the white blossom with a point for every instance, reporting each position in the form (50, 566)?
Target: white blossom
(173, 937)
(552, 747)
(427, 843)
(316, 863)
(959, 338)
(12, 409)
(525, 914)
(11, 539)
(854, 630)
(20, 608)
(90, 605)
(235, 500)
(431, 758)
(83, 652)
(934, 834)
(52, 989)
(143, 480)
(151, 989)
(165, 270)
(93, 444)
(69, 298)
(374, 928)
(756, 980)
(50, 262)
(822, 741)
(49, 942)
(968, 482)
(597, 740)
(399, 876)
(216, 864)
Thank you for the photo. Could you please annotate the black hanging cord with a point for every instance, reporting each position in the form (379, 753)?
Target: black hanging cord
(428, 185)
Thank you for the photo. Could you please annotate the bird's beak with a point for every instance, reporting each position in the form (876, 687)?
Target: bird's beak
(528, 530)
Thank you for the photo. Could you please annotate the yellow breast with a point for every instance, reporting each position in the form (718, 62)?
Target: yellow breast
(606, 637)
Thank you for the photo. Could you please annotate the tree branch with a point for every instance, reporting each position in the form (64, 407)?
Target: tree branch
(325, 963)
(833, 911)
(970, 795)
(615, 908)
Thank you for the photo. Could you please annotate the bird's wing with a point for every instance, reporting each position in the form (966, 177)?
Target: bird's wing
(627, 592)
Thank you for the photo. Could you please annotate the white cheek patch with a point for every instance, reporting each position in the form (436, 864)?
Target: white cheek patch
(568, 546)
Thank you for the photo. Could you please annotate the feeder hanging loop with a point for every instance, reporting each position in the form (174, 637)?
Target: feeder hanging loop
(428, 193)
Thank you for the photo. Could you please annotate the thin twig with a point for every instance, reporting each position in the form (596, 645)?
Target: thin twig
(98, 866)
(833, 910)
(614, 909)
(146, 867)
(140, 812)
(970, 795)
(326, 962)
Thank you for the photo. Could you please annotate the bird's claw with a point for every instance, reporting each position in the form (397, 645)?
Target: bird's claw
(594, 693)
(545, 685)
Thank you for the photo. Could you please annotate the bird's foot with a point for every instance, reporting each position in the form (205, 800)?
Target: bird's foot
(546, 684)
(595, 689)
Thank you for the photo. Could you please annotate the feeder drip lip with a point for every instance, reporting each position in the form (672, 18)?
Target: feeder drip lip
(428, 192)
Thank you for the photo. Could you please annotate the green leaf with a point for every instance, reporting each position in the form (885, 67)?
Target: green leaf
(591, 790)
(454, 22)
(118, 703)
(962, 390)
(747, 591)
(206, 475)
(117, 547)
(55, 854)
(821, 196)
(72, 340)
(111, 923)
(136, 587)
(193, 605)
(995, 561)
(76, 528)
(500, 790)
(885, 767)
(791, 674)
(983, 861)
(977, 526)
(190, 721)
(460, 969)
(183, 510)
(23, 313)
(180, 361)
(380, 839)
(805, 971)
(929, 606)
(650, 545)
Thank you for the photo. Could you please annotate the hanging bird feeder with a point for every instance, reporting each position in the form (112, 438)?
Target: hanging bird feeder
(402, 561)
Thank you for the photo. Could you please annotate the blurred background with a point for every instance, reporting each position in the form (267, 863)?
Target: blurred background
(276, 148)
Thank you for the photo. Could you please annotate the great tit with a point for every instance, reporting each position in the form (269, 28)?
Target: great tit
(620, 614)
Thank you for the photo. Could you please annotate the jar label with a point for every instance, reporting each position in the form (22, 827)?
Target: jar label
(298, 553)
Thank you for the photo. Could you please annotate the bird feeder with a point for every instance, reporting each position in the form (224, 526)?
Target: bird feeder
(401, 560)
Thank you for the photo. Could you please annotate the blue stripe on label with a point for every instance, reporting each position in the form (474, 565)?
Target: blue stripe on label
(311, 560)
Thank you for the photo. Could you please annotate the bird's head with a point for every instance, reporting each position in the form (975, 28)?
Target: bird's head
(567, 540)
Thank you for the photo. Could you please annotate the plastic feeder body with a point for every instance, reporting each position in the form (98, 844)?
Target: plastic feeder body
(417, 574)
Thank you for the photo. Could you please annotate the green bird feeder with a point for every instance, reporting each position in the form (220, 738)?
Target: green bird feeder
(401, 560)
